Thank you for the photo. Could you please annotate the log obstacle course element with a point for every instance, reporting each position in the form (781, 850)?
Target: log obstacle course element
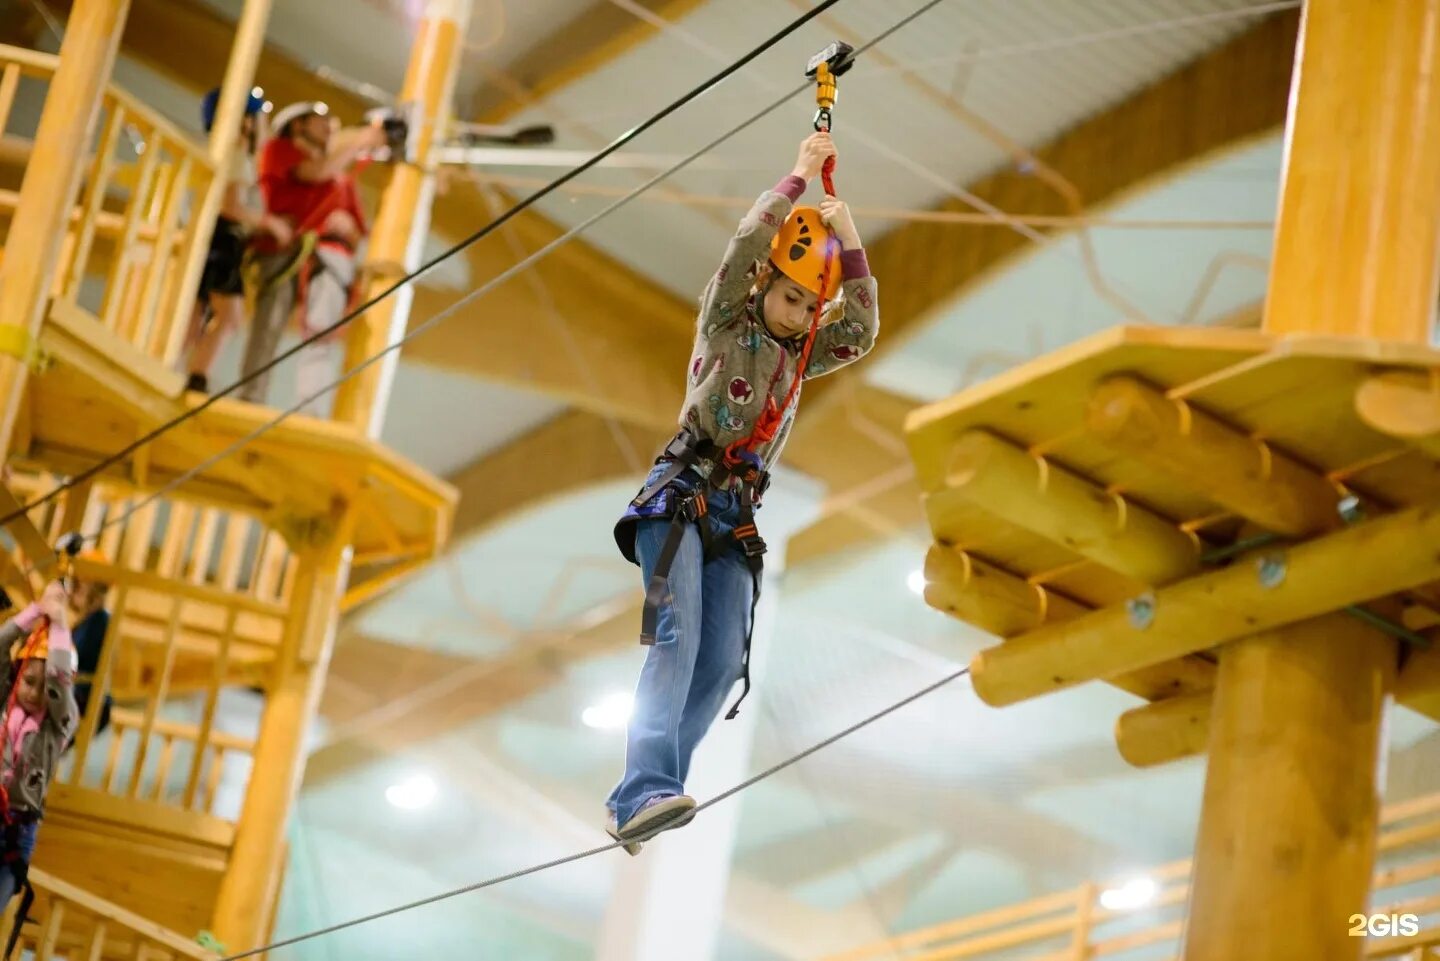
(1071, 501)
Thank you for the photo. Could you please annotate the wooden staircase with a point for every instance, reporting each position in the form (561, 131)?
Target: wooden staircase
(223, 591)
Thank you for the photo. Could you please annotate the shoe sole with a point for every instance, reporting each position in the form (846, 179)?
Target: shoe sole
(631, 848)
(666, 820)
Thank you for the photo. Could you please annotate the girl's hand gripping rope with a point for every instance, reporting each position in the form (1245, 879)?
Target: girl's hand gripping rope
(836, 214)
(814, 149)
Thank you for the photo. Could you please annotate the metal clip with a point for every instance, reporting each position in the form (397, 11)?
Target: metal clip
(1141, 610)
(1271, 570)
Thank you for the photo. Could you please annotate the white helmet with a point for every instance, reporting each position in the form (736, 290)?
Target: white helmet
(295, 111)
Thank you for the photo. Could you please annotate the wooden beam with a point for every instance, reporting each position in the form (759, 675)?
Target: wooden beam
(583, 43)
(1309, 580)
(565, 455)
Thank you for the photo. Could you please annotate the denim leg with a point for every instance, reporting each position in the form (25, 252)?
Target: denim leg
(652, 749)
(726, 591)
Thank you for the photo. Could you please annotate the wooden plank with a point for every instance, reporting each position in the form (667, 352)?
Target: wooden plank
(58, 887)
(144, 817)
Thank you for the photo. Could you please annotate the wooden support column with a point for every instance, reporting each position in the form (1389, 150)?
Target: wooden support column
(252, 879)
(397, 241)
(1288, 827)
(52, 177)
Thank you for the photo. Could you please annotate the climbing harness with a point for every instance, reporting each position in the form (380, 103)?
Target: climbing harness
(679, 494)
(738, 467)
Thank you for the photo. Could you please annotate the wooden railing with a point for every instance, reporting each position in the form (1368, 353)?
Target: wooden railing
(199, 601)
(1077, 924)
(68, 922)
(130, 258)
(189, 760)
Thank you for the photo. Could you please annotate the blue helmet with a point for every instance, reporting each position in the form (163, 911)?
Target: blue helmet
(254, 105)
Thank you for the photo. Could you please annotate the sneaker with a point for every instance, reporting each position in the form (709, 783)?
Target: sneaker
(631, 848)
(661, 813)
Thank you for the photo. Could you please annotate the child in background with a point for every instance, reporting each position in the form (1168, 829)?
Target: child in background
(41, 717)
(220, 301)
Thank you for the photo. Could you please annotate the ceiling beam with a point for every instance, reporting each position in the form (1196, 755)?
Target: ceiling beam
(583, 43)
(567, 454)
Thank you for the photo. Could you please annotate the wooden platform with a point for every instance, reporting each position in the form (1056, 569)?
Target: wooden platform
(1290, 405)
(100, 394)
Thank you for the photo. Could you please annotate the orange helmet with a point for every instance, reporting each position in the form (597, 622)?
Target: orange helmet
(802, 249)
(36, 644)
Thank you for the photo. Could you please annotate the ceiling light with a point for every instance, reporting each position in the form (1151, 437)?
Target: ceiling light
(413, 793)
(612, 712)
(1133, 894)
(916, 582)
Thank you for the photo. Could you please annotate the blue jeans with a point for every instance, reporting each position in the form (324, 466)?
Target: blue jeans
(696, 658)
(26, 843)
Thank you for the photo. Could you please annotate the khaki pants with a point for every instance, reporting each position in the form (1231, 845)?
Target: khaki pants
(316, 366)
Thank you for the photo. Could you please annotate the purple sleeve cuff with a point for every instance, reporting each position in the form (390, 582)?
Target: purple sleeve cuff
(791, 187)
(853, 264)
(26, 619)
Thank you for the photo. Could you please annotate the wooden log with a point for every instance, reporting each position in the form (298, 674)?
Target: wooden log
(1289, 829)
(1404, 404)
(1050, 501)
(1288, 825)
(1164, 731)
(997, 601)
(1230, 468)
(992, 599)
(403, 220)
(1316, 577)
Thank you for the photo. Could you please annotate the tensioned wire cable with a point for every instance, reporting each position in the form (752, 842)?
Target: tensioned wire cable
(440, 258)
(582, 855)
(480, 291)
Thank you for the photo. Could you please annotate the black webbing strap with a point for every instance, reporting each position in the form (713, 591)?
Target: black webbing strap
(657, 592)
(748, 538)
(27, 899)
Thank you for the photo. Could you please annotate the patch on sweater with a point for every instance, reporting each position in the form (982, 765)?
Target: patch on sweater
(863, 295)
(845, 353)
(722, 273)
(692, 416)
(724, 417)
(741, 392)
(766, 217)
(749, 340)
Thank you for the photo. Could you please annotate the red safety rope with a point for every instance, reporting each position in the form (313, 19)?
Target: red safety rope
(767, 425)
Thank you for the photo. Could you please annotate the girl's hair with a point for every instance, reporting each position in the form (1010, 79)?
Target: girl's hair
(834, 310)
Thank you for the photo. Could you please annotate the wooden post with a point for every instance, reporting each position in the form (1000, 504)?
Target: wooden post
(234, 91)
(404, 217)
(256, 865)
(52, 178)
(1289, 821)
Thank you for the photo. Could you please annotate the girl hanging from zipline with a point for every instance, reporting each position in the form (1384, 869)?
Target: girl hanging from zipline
(793, 299)
(38, 660)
